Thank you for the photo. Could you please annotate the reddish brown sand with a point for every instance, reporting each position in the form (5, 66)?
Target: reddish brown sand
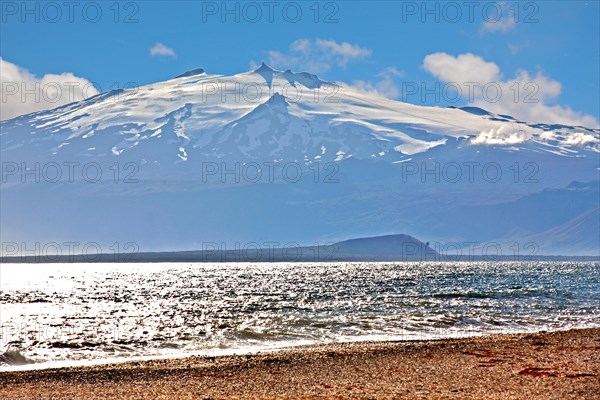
(561, 365)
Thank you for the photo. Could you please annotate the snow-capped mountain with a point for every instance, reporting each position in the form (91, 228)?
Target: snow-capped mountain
(267, 114)
(369, 165)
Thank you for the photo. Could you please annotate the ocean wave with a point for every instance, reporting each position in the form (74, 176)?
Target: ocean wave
(13, 358)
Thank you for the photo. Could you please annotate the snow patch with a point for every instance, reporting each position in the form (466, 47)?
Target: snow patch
(502, 136)
(418, 146)
(581, 139)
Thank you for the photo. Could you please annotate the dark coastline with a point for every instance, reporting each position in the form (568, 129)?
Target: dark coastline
(389, 248)
(235, 257)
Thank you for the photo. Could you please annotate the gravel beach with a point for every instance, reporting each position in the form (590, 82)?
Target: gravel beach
(558, 365)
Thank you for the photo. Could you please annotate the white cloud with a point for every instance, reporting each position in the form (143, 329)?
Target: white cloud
(463, 68)
(525, 96)
(502, 19)
(517, 48)
(22, 92)
(386, 86)
(160, 49)
(392, 72)
(317, 56)
(343, 52)
(502, 25)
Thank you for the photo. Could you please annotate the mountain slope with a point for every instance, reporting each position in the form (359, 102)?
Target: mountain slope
(219, 116)
(281, 156)
(382, 248)
(577, 236)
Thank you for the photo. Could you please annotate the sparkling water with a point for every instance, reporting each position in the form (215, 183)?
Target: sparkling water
(65, 314)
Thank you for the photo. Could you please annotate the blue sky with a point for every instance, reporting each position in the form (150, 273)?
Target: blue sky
(375, 46)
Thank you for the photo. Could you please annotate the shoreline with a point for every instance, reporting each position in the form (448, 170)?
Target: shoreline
(545, 365)
(251, 351)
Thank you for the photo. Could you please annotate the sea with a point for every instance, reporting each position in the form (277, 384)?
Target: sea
(56, 315)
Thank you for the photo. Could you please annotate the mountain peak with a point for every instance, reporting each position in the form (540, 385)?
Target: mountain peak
(263, 68)
(277, 98)
(277, 104)
(191, 72)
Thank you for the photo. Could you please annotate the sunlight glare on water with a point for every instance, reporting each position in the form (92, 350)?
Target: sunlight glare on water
(79, 313)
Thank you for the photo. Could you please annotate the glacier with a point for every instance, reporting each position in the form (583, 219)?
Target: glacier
(184, 162)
